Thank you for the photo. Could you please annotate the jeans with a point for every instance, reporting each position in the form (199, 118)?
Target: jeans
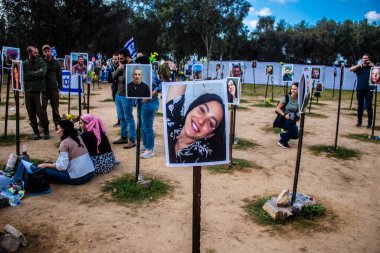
(148, 112)
(361, 96)
(292, 131)
(124, 108)
(64, 177)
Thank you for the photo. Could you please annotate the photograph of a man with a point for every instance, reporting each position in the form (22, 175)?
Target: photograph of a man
(67, 65)
(78, 63)
(139, 80)
(287, 73)
(269, 70)
(236, 70)
(315, 73)
(17, 75)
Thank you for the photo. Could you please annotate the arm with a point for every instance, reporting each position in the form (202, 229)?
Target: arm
(280, 111)
(354, 68)
(41, 72)
(175, 91)
(59, 76)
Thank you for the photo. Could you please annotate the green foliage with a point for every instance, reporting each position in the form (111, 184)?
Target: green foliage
(311, 211)
(317, 115)
(340, 153)
(11, 139)
(270, 129)
(13, 117)
(244, 144)
(106, 100)
(237, 164)
(362, 137)
(159, 114)
(126, 190)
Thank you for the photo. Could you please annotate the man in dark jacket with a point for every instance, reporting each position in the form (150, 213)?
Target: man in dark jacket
(114, 83)
(35, 92)
(53, 81)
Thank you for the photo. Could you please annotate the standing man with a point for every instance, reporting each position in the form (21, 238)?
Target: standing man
(35, 89)
(124, 105)
(114, 83)
(363, 92)
(53, 81)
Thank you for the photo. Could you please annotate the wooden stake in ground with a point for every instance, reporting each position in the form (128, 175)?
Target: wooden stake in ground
(311, 96)
(374, 115)
(232, 125)
(16, 92)
(266, 89)
(197, 176)
(88, 97)
(334, 83)
(340, 99)
(80, 79)
(138, 140)
(7, 104)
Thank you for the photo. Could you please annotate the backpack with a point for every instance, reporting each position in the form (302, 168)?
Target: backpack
(279, 120)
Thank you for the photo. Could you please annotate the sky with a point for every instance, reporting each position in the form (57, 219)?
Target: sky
(294, 11)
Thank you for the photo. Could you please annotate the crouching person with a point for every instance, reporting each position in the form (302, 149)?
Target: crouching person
(74, 165)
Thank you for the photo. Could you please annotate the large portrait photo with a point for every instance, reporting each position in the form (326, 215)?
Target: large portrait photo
(287, 73)
(233, 90)
(375, 76)
(8, 54)
(139, 81)
(195, 123)
(17, 81)
(78, 63)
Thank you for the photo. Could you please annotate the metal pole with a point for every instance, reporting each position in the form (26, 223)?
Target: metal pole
(352, 95)
(17, 122)
(69, 104)
(197, 176)
(311, 96)
(254, 81)
(80, 94)
(231, 134)
(266, 88)
(7, 104)
(1, 82)
(298, 161)
(88, 97)
(271, 79)
(234, 108)
(374, 114)
(340, 98)
(334, 87)
(138, 139)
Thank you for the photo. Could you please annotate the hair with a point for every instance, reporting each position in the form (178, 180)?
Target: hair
(368, 55)
(125, 52)
(115, 54)
(81, 56)
(296, 84)
(288, 68)
(137, 68)
(218, 65)
(217, 142)
(29, 49)
(69, 131)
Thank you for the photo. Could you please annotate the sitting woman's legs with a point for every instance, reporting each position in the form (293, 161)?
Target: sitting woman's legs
(64, 177)
(292, 131)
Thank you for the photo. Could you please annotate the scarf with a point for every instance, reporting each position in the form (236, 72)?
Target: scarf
(95, 125)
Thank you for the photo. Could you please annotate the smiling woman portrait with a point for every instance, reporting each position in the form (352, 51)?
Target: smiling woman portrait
(198, 134)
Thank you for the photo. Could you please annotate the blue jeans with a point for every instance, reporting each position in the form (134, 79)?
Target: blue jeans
(292, 131)
(124, 108)
(364, 96)
(64, 177)
(148, 112)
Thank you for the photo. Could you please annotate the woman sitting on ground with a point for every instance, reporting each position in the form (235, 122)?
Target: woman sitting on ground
(289, 112)
(74, 165)
(96, 141)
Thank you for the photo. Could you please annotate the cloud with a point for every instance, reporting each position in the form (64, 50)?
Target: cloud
(251, 23)
(372, 16)
(263, 12)
(283, 1)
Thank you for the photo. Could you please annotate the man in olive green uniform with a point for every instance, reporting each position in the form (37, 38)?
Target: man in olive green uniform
(53, 80)
(35, 92)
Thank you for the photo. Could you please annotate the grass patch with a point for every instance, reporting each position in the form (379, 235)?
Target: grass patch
(313, 218)
(64, 98)
(125, 190)
(13, 117)
(237, 164)
(244, 101)
(362, 137)
(317, 115)
(106, 100)
(11, 139)
(242, 108)
(262, 104)
(245, 144)
(340, 153)
(159, 114)
(270, 129)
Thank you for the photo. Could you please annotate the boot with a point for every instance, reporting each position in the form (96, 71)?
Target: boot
(46, 134)
(36, 134)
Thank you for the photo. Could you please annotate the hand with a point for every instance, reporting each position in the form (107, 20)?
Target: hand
(146, 100)
(287, 116)
(44, 165)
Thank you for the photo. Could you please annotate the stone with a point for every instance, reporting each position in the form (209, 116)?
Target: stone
(9, 243)
(277, 213)
(13, 231)
(282, 199)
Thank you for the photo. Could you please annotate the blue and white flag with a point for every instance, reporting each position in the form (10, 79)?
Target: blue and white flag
(99, 55)
(130, 45)
(54, 52)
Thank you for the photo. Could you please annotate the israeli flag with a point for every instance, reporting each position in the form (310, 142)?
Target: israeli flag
(99, 55)
(130, 45)
(54, 52)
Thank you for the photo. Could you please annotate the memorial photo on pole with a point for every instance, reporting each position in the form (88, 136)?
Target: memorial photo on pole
(138, 81)
(8, 54)
(287, 73)
(269, 70)
(375, 76)
(236, 69)
(78, 63)
(315, 73)
(17, 81)
(233, 90)
(304, 91)
(61, 62)
(196, 72)
(67, 65)
(195, 123)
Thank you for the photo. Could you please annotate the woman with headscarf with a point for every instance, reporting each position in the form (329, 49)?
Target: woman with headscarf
(95, 138)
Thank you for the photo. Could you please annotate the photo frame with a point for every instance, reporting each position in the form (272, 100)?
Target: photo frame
(78, 63)
(269, 70)
(196, 71)
(233, 88)
(374, 76)
(61, 62)
(8, 54)
(287, 72)
(67, 62)
(138, 81)
(315, 73)
(17, 75)
(236, 69)
(304, 91)
(198, 111)
(188, 70)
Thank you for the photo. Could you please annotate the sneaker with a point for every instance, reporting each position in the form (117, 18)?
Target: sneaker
(46, 135)
(36, 136)
(369, 126)
(121, 141)
(117, 124)
(358, 124)
(283, 144)
(147, 154)
(130, 144)
(283, 130)
(142, 150)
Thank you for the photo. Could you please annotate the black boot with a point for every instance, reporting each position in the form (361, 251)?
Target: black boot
(36, 134)
(46, 134)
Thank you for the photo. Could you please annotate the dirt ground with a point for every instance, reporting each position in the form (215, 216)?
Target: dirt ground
(80, 219)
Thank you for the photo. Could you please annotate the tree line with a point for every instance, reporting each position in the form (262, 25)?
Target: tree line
(178, 29)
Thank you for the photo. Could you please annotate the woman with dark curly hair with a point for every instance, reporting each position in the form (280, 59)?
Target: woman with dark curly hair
(74, 165)
(197, 135)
